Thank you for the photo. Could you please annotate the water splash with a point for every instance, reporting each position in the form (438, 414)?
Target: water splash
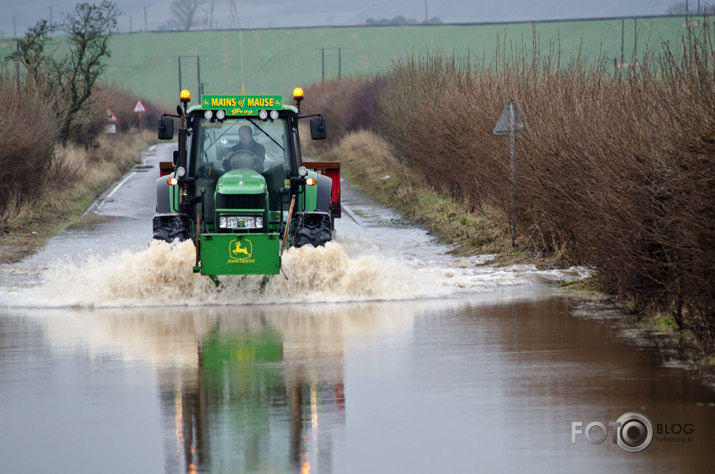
(162, 275)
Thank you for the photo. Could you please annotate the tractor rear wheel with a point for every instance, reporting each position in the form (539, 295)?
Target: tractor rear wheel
(312, 228)
(170, 227)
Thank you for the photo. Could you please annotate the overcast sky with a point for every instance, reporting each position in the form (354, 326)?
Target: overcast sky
(286, 13)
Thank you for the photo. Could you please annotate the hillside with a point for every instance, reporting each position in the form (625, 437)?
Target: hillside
(277, 60)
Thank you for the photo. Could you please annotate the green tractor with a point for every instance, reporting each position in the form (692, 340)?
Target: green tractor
(238, 186)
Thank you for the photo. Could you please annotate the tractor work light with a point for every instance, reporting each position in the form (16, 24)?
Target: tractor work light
(208, 115)
(185, 95)
(274, 114)
(263, 114)
(240, 222)
(220, 114)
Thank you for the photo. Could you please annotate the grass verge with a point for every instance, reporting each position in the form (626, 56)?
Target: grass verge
(86, 173)
(368, 163)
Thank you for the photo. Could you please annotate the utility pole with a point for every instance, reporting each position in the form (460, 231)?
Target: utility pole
(130, 24)
(17, 50)
(426, 15)
(322, 61)
(686, 13)
(180, 89)
(623, 29)
(199, 84)
(198, 76)
(145, 28)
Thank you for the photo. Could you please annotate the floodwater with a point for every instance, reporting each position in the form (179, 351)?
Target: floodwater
(379, 353)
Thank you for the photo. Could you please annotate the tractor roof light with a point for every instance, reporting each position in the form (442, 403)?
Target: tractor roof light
(185, 96)
(220, 114)
(274, 114)
(298, 94)
(263, 114)
(208, 115)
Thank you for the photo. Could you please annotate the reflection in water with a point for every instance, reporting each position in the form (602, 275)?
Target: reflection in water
(426, 386)
(244, 408)
(242, 389)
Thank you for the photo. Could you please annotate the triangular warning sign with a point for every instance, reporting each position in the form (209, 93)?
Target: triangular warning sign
(139, 107)
(110, 117)
(511, 119)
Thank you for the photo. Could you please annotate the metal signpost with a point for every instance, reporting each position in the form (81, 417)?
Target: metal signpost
(511, 121)
(139, 109)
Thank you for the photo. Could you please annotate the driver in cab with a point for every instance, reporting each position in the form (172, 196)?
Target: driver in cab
(246, 154)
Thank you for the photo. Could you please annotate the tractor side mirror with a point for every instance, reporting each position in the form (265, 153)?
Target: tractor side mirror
(166, 128)
(317, 128)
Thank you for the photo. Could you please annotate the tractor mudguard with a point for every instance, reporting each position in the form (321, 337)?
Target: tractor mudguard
(169, 227)
(312, 228)
(162, 196)
(325, 188)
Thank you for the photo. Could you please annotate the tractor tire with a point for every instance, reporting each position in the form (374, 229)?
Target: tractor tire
(310, 228)
(171, 227)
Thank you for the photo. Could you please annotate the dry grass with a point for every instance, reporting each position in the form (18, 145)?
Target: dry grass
(86, 173)
(369, 164)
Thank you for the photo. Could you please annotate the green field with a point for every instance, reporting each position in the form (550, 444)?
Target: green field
(277, 60)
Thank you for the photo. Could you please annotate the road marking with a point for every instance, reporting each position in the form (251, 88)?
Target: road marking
(97, 206)
(118, 186)
(352, 215)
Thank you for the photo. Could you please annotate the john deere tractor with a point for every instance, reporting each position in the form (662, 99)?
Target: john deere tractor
(238, 187)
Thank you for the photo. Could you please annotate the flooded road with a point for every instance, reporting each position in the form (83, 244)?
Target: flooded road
(379, 353)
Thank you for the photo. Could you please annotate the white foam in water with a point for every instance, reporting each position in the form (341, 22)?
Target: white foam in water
(163, 275)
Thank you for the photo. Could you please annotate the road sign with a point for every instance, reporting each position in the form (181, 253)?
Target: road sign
(110, 128)
(111, 118)
(139, 108)
(507, 122)
(510, 122)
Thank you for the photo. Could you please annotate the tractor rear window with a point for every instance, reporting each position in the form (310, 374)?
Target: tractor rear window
(250, 143)
(266, 140)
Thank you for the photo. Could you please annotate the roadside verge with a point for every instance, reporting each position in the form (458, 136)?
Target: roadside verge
(88, 172)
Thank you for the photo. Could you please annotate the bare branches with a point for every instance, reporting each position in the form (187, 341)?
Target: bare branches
(185, 13)
(70, 79)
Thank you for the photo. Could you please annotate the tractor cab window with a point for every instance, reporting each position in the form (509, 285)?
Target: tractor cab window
(244, 143)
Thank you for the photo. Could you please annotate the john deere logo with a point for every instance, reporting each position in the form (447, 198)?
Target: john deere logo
(240, 251)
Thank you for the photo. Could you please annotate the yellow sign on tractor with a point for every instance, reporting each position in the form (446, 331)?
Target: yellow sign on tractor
(242, 104)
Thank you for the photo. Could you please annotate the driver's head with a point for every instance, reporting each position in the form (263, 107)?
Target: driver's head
(245, 134)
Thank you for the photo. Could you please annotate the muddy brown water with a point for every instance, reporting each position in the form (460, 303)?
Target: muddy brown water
(410, 361)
